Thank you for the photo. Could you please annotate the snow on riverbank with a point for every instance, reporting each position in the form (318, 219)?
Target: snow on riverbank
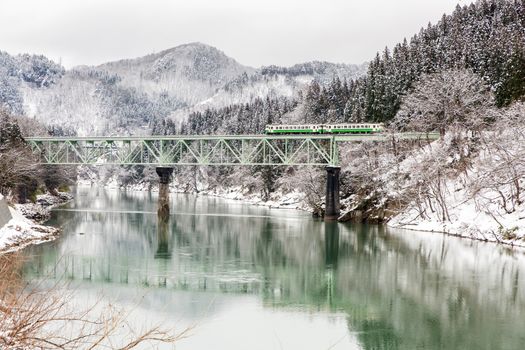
(483, 201)
(277, 199)
(468, 222)
(292, 200)
(21, 231)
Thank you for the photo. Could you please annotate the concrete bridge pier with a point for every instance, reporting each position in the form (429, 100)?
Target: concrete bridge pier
(332, 206)
(164, 173)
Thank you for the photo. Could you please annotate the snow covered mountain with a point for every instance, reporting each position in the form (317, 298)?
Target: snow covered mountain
(190, 72)
(275, 81)
(127, 96)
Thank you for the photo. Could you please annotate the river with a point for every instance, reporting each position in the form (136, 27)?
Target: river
(248, 277)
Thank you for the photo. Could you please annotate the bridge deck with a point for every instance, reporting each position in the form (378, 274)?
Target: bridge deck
(337, 137)
(173, 150)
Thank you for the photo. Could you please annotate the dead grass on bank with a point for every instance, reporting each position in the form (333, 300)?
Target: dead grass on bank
(39, 316)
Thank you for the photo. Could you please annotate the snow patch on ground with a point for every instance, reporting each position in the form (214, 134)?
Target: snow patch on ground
(480, 201)
(466, 221)
(278, 199)
(21, 231)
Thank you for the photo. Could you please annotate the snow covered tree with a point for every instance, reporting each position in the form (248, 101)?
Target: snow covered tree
(454, 98)
(486, 37)
(39, 70)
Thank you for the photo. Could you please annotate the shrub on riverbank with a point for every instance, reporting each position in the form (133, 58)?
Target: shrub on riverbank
(21, 176)
(40, 316)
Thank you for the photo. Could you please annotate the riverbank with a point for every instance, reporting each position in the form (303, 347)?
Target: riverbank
(468, 221)
(278, 199)
(25, 226)
(465, 221)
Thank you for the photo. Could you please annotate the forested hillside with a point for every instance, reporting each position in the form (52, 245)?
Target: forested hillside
(486, 37)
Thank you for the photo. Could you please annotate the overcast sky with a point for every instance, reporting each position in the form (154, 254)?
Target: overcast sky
(254, 32)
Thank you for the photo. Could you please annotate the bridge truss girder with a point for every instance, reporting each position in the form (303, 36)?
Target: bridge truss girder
(170, 151)
(167, 151)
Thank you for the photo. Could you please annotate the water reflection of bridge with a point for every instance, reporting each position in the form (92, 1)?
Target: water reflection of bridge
(397, 292)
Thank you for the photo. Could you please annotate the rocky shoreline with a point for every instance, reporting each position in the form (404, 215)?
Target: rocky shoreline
(25, 227)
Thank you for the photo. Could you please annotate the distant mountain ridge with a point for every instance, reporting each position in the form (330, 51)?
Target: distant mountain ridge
(127, 96)
(197, 68)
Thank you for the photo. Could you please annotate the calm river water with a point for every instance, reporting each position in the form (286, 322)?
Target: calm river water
(250, 277)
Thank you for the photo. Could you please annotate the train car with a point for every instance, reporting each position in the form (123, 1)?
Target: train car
(347, 128)
(294, 129)
(352, 128)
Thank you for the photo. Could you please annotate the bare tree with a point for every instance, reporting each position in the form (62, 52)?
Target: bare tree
(41, 317)
(447, 100)
(500, 177)
(17, 167)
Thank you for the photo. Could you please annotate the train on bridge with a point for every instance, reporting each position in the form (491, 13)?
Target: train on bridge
(348, 128)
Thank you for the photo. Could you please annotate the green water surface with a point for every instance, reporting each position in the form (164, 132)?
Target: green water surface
(250, 277)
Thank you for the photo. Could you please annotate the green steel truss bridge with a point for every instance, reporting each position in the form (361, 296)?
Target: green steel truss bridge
(168, 151)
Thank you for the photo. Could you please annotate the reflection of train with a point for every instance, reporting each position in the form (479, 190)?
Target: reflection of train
(364, 128)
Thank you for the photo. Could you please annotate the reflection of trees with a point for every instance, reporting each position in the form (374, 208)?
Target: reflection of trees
(397, 292)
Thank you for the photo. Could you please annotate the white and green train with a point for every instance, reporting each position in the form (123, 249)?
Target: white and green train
(349, 128)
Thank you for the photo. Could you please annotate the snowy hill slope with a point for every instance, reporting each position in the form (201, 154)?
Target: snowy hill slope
(190, 72)
(128, 96)
(274, 81)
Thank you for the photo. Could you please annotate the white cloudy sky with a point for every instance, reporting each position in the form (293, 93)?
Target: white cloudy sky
(255, 32)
